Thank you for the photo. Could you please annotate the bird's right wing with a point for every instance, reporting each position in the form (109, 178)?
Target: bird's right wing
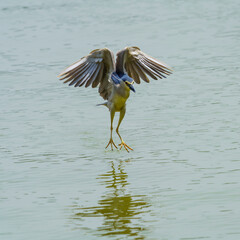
(93, 69)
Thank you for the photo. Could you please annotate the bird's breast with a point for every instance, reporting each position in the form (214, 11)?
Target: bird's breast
(119, 101)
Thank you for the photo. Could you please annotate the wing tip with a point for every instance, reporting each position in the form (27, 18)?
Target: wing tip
(60, 75)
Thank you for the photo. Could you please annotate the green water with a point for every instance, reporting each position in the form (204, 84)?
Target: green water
(181, 181)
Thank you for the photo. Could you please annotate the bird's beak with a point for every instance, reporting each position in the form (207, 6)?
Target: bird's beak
(131, 88)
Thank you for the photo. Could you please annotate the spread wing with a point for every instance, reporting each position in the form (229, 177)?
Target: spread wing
(138, 65)
(93, 69)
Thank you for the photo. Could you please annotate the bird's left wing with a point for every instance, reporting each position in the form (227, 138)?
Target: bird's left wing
(93, 69)
(138, 65)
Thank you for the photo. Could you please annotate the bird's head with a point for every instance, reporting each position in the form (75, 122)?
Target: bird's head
(128, 82)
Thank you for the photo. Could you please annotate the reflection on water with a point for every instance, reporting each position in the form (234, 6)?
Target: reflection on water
(120, 210)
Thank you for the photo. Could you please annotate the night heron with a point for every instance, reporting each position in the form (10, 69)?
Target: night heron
(115, 80)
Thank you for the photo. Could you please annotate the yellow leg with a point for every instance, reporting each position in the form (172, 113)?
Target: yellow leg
(122, 144)
(111, 142)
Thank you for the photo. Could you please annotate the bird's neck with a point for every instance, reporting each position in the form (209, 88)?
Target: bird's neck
(123, 90)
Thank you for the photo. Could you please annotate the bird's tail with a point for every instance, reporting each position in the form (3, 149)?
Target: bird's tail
(102, 104)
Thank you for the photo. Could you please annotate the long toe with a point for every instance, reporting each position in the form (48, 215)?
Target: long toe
(111, 142)
(123, 144)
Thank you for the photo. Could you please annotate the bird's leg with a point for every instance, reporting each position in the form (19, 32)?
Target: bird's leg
(112, 113)
(122, 144)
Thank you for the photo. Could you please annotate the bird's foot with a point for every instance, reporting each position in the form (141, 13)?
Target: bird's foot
(123, 144)
(112, 144)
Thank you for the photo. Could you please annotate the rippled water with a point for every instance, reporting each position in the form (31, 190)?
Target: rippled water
(181, 181)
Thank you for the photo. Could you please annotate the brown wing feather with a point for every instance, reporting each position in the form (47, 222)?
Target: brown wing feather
(134, 72)
(137, 64)
(92, 70)
(140, 72)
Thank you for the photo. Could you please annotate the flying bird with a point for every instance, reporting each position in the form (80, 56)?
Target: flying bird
(114, 80)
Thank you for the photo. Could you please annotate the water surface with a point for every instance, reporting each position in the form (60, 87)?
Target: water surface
(182, 179)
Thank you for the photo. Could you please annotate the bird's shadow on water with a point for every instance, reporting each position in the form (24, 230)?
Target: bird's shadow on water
(119, 210)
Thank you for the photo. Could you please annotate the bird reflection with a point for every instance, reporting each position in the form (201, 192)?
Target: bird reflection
(121, 212)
